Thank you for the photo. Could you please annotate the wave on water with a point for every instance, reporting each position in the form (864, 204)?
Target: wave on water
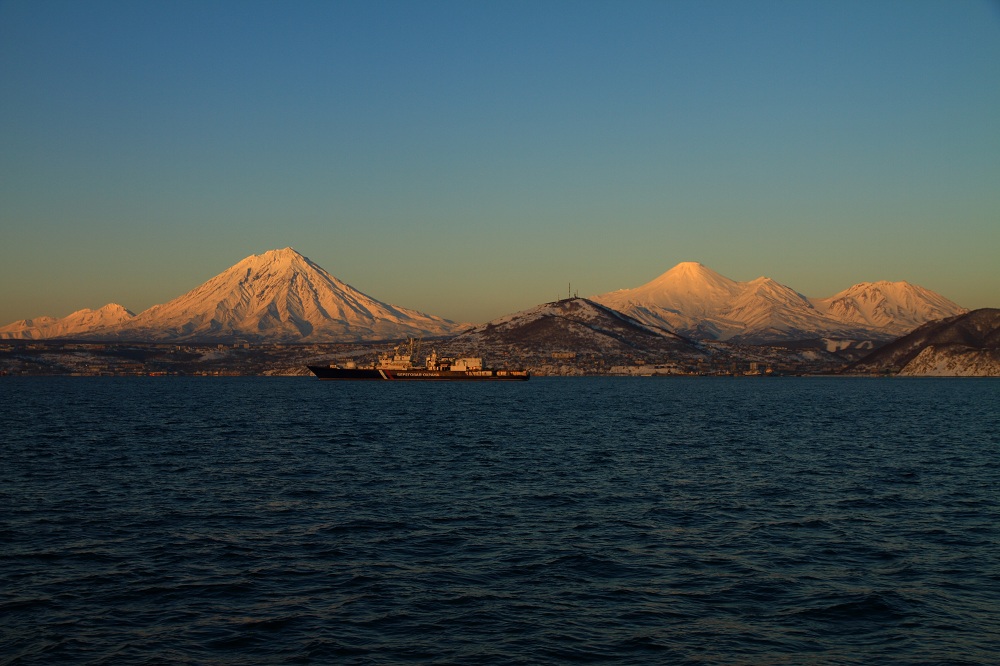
(259, 521)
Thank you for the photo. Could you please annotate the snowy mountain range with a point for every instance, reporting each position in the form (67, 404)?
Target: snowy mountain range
(281, 296)
(107, 317)
(697, 302)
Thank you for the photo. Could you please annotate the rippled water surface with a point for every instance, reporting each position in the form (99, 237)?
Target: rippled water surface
(261, 521)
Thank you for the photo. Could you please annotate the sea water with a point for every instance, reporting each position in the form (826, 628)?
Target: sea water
(709, 520)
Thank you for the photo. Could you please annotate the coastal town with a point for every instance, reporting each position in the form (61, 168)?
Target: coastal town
(75, 358)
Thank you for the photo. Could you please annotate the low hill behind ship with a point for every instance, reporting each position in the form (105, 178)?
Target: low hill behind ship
(577, 326)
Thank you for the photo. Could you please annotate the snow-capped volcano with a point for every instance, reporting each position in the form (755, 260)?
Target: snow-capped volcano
(700, 303)
(80, 322)
(688, 288)
(893, 307)
(279, 295)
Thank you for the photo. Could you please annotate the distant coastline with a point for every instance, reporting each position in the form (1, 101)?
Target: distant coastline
(36, 358)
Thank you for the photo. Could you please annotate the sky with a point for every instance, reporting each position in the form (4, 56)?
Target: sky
(472, 159)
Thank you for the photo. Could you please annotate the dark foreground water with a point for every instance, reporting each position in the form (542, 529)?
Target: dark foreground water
(263, 521)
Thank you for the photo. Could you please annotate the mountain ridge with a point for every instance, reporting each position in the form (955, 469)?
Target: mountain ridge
(82, 321)
(896, 307)
(700, 303)
(282, 296)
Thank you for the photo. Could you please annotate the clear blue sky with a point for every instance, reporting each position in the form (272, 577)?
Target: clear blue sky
(469, 159)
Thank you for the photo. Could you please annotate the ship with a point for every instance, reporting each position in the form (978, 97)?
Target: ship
(399, 365)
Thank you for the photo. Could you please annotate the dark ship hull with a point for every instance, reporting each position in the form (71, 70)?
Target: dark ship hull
(418, 374)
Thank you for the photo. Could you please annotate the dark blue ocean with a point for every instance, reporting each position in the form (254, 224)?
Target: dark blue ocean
(616, 520)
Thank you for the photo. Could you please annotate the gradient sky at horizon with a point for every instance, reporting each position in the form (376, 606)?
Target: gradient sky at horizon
(469, 159)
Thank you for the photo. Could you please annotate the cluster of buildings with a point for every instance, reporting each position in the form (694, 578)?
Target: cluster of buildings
(26, 357)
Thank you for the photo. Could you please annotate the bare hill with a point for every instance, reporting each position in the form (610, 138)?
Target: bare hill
(573, 324)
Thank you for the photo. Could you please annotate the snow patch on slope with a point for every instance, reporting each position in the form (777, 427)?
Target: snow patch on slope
(953, 361)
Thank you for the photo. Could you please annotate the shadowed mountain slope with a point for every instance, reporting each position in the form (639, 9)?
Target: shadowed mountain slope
(966, 345)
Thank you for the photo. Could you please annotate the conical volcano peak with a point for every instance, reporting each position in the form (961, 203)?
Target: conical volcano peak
(689, 270)
(693, 271)
(280, 295)
(688, 286)
(284, 257)
(689, 267)
(279, 265)
(114, 309)
(283, 253)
